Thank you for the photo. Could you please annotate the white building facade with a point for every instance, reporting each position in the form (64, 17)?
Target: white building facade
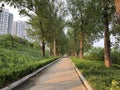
(20, 28)
(4, 17)
(17, 28)
(10, 24)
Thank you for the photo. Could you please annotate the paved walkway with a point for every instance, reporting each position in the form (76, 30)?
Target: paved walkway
(60, 76)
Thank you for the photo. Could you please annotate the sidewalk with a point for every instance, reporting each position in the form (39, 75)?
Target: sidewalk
(60, 76)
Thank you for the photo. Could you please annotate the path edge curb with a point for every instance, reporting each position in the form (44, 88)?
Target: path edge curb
(82, 78)
(20, 81)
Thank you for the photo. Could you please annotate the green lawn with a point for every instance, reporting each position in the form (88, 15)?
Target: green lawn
(99, 77)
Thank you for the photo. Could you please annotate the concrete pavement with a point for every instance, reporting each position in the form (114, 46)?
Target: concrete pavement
(59, 76)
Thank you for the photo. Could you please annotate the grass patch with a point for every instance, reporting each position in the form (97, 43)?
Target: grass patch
(98, 76)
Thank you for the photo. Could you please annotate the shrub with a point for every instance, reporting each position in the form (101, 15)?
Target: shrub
(6, 40)
(18, 58)
(11, 41)
(115, 85)
(95, 54)
(15, 64)
(115, 56)
(98, 55)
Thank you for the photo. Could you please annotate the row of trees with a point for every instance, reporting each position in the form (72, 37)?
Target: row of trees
(47, 25)
(83, 24)
(89, 21)
(47, 21)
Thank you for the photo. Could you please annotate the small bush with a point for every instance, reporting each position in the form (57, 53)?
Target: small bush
(115, 85)
(12, 41)
(98, 55)
(115, 56)
(95, 54)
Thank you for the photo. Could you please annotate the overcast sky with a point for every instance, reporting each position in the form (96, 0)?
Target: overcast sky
(99, 43)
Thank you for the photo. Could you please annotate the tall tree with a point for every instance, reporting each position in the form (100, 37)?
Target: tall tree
(108, 14)
(106, 34)
(37, 33)
(85, 22)
(73, 41)
(117, 4)
(49, 18)
(57, 23)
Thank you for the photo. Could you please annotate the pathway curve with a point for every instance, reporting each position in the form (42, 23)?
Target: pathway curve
(59, 76)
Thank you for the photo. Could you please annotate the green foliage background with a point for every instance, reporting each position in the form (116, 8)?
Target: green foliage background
(97, 53)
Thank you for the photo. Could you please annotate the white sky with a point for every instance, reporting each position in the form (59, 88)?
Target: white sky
(99, 43)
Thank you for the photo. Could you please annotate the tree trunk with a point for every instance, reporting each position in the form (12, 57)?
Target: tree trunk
(43, 48)
(75, 54)
(81, 38)
(55, 49)
(81, 48)
(107, 48)
(72, 54)
(51, 52)
(117, 4)
(107, 58)
(75, 45)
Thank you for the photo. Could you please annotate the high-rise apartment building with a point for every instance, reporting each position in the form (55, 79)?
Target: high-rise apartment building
(4, 17)
(20, 28)
(7, 26)
(14, 28)
(6, 22)
(10, 24)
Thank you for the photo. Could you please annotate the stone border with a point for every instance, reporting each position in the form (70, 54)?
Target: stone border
(15, 84)
(82, 78)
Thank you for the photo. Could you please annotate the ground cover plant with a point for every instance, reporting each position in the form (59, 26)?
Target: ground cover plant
(98, 76)
(18, 58)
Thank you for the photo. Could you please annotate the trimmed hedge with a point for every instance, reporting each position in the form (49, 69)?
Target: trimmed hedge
(11, 74)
